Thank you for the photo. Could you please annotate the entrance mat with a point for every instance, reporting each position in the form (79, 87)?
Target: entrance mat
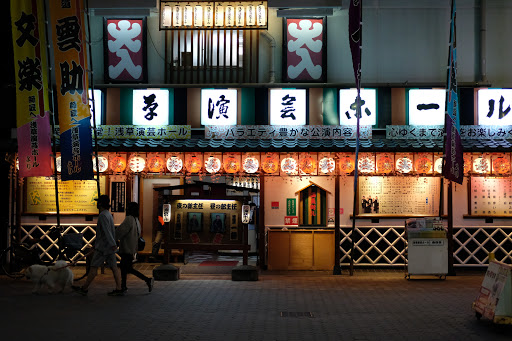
(218, 263)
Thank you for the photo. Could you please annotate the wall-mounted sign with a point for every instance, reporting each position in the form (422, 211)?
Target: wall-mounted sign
(427, 106)
(201, 15)
(118, 196)
(311, 132)
(98, 105)
(348, 107)
(166, 213)
(125, 50)
(288, 107)
(145, 132)
(150, 107)
(494, 106)
(291, 206)
(306, 50)
(274, 205)
(291, 220)
(219, 106)
(246, 214)
(437, 132)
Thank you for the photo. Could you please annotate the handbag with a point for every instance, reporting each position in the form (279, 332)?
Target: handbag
(141, 244)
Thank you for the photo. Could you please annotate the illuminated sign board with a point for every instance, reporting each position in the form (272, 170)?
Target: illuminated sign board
(150, 107)
(348, 107)
(288, 107)
(494, 107)
(98, 105)
(219, 106)
(427, 106)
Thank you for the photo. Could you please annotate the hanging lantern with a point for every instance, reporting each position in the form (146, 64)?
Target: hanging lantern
(467, 164)
(270, 164)
(156, 164)
(404, 165)
(103, 164)
(423, 165)
(174, 164)
(307, 165)
(137, 164)
(481, 165)
(118, 164)
(231, 164)
(251, 165)
(366, 165)
(347, 164)
(438, 165)
(212, 165)
(326, 165)
(501, 165)
(58, 161)
(385, 164)
(289, 165)
(193, 165)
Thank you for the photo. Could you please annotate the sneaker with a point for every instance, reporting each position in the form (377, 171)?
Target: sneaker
(79, 290)
(124, 289)
(116, 293)
(150, 282)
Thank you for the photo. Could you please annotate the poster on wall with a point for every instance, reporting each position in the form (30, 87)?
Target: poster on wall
(125, 50)
(305, 59)
(399, 195)
(75, 197)
(491, 196)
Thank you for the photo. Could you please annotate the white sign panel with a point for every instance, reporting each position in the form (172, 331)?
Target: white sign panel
(219, 106)
(98, 105)
(150, 107)
(494, 107)
(348, 107)
(427, 106)
(288, 107)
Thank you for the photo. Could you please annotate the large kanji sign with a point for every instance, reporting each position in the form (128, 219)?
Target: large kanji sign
(305, 59)
(125, 50)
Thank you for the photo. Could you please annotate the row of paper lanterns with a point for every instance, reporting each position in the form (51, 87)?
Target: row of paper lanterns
(307, 163)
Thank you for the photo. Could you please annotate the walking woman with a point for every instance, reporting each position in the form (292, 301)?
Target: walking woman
(128, 234)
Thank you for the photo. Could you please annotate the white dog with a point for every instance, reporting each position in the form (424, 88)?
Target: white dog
(56, 277)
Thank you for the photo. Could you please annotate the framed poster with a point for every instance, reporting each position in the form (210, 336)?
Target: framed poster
(125, 50)
(218, 224)
(305, 50)
(194, 222)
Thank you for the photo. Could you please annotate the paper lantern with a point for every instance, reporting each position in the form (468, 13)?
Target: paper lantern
(438, 165)
(404, 165)
(481, 165)
(103, 164)
(289, 165)
(366, 165)
(347, 164)
(307, 165)
(326, 165)
(156, 164)
(212, 165)
(467, 164)
(501, 165)
(423, 165)
(231, 164)
(118, 164)
(270, 164)
(385, 164)
(137, 164)
(58, 162)
(174, 164)
(251, 165)
(192, 164)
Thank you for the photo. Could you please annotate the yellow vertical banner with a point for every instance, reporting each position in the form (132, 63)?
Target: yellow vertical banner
(30, 67)
(68, 37)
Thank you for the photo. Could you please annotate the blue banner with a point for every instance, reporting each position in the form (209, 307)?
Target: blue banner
(75, 143)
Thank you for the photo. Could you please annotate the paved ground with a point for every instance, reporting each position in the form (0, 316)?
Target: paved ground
(371, 305)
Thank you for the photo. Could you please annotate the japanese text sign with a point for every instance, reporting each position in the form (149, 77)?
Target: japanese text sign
(288, 107)
(427, 106)
(305, 50)
(494, 106)
(312, 132)
(30, 68)
(348, 107)
(150, 107)
(68, 33)
(125, 50)
(219, 106)
(145, 132)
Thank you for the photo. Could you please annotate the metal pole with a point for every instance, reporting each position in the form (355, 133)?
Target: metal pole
(354, 208)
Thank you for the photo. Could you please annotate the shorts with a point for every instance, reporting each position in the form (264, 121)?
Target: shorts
(98, 259)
